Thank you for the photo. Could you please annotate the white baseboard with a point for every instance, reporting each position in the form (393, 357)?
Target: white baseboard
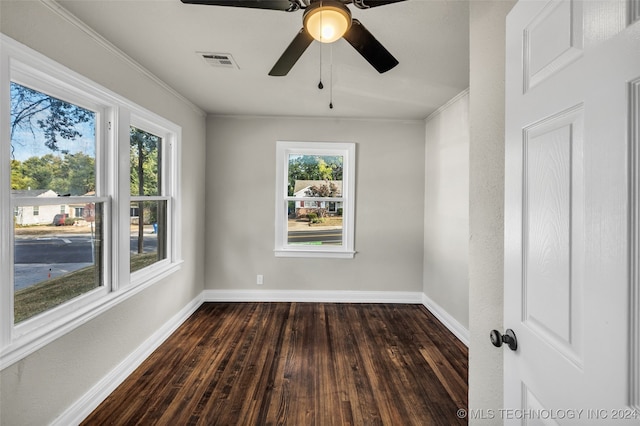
(316, 296)
(446, 319)
(77, 412)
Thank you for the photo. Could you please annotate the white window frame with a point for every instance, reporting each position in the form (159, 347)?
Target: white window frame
(114, 116)
(169, 178)
(348, 152)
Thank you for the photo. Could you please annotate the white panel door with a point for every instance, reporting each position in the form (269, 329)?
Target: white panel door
(572, 75)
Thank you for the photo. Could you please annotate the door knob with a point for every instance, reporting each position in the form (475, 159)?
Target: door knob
(509, 337)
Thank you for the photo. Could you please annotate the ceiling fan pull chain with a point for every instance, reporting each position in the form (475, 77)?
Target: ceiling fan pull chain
(320, 85)
(331, 76)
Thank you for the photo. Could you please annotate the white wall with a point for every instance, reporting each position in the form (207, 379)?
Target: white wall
(237, 219)
(241, 205)
(486, 201)
(37, 389)
(446, 209)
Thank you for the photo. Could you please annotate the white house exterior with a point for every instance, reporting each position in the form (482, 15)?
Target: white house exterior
(37, 215)
(302, 207)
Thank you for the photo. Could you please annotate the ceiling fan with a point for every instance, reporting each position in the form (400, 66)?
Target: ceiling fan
(325, 21)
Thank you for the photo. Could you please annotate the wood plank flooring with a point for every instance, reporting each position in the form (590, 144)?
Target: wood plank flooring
(297, 364)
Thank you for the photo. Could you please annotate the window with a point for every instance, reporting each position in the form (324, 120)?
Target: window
(148, 202)
(53, 152)
(314, 199)
(82, 160)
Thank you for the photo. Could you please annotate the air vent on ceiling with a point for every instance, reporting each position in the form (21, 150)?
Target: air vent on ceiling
(220, 60)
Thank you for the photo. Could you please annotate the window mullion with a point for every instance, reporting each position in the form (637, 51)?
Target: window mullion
(135, 198)
(330, 199)
(52, 201)
(120, 188)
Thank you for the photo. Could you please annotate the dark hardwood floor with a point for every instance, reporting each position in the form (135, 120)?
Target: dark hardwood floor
(297, 364)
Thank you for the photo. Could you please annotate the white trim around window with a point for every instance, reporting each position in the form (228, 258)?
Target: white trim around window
(344, 243)
(114, 116)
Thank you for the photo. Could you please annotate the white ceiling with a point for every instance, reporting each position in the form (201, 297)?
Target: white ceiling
(430, 39)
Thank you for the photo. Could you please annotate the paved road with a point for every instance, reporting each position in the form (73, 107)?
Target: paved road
(317, 236)
(40, 258)
(71, 249)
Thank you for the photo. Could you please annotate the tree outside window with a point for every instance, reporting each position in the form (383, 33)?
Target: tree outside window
(315, 209)
(53, 150)
(148, 231)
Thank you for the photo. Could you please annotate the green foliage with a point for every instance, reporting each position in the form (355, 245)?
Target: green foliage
(20, 179)
(314, 218)
(41, 170)
(72, 174)
(328, 189)
(313, 167)
(144, 162)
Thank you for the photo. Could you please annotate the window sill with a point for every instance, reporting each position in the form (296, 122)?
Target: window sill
(34, 340)
(315, 253)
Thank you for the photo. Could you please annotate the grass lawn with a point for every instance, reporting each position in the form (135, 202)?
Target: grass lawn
(43, 296)
(48, 294)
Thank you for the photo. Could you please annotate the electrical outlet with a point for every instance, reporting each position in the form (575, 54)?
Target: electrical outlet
(259, 279)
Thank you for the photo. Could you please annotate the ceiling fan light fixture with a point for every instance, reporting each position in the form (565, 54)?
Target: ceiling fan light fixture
(327, 20)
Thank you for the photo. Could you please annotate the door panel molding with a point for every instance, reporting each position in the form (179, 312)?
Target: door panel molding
(552, 236)
(552, 40)
(531, 404)
(574, 230)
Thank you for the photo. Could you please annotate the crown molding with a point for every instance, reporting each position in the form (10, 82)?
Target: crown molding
(63, 13)
(450, 102)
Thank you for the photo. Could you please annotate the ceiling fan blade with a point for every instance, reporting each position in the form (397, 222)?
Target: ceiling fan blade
(370, 48)
(291, 55)
(284, 5)
(366, 4)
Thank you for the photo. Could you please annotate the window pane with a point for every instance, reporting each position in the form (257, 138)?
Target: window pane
(314, 176)
(53, 145)
(313, 229)
(148, 242)
(145, 162)
(54, 264)
(53, 153)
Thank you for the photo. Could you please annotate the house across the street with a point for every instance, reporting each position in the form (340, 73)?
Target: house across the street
(302, 188)
(43, 214)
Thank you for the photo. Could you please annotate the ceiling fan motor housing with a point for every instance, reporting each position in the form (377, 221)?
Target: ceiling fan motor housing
(327, 20)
